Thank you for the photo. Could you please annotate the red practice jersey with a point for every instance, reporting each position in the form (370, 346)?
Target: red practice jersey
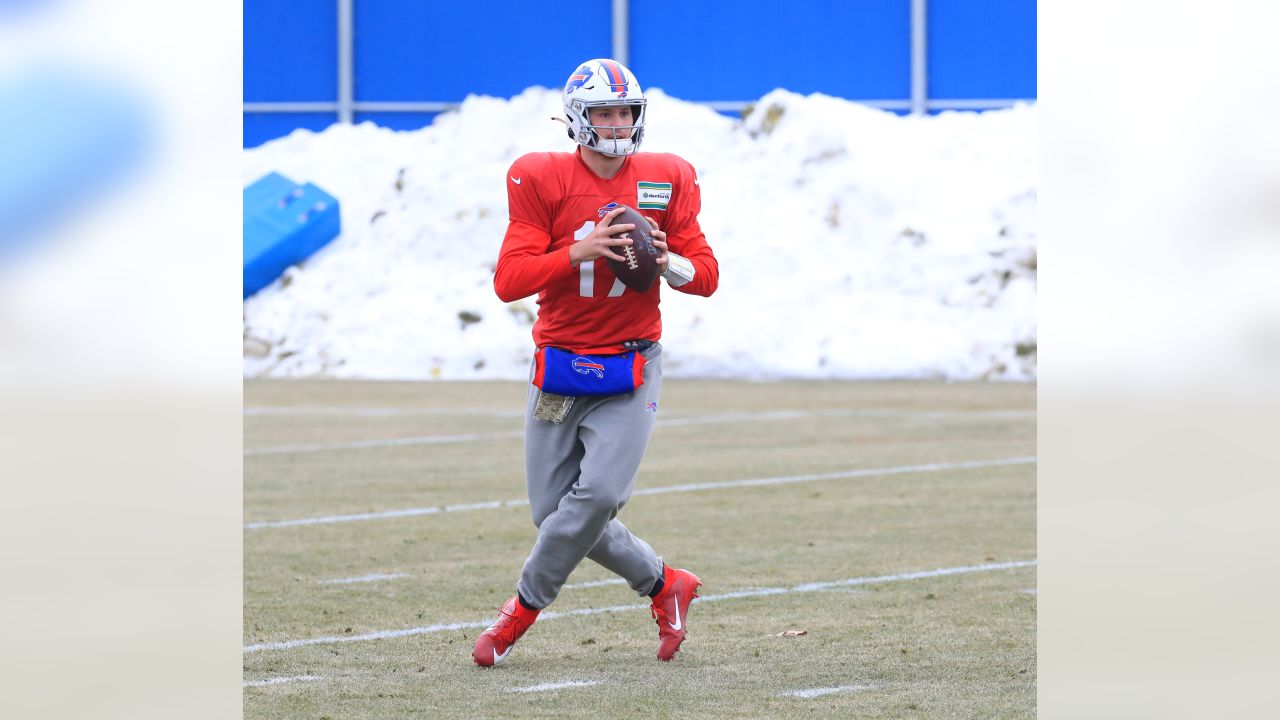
(555, 199)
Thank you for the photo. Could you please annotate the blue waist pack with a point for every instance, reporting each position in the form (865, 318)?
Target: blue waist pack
(561, 372)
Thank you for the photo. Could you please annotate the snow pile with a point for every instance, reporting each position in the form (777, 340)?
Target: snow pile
(853, 243)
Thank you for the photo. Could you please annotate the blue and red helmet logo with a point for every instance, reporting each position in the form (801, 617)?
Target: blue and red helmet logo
(615, 76)
(605, 210)
(584, 366)
(578, 79)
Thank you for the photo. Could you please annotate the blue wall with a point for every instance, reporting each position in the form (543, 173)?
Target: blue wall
(709, 50)
(290, 50)
(982, 49)
(421, 50)
(730, 50)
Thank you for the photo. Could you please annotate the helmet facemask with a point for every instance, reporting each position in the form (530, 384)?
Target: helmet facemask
(601, 138)
(604, 83)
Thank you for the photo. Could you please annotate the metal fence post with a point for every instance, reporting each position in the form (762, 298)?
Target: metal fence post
(346, 56)
(621, 31)
(919, 57)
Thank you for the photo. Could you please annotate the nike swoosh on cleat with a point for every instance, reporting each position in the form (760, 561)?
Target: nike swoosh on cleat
(677, 624)
(499, 658)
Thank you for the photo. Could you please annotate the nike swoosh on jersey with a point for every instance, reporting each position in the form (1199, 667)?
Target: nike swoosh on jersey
(674, 626)
(516, 180)
(497, 658)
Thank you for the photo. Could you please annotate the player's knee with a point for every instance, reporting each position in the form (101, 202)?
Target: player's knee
(606, 502)
(541, 513)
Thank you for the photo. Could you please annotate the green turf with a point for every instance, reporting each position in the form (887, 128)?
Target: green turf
(954, 646)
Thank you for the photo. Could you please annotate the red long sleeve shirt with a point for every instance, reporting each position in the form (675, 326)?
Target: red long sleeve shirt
(554, 200)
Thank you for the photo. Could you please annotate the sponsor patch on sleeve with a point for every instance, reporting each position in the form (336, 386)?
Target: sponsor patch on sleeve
(652, 195)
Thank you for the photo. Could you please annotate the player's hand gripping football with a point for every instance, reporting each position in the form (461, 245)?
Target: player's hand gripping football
(660, 242)
(601, 239)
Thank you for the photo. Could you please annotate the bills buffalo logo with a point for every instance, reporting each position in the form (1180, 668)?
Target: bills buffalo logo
(605, 210)
(578, 79)
(651, 407)
(584, 366)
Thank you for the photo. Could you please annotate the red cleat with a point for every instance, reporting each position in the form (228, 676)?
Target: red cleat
(494, 645)
(671, 609)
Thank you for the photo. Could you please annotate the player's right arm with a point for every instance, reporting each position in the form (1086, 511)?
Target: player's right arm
(526, 264)
(525, 267)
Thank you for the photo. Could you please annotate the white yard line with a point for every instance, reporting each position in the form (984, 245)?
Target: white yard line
(667, 422)
(269, 410)
(281, 680)
(367, 411)
(800, 414)
(693, 487)
(552, 615)
(843, 474)
(364, 578)
(731, 417)
(387, 514)
(594, 583)
(392, 576)
(390, 442)
(819, 692)
(556, 686)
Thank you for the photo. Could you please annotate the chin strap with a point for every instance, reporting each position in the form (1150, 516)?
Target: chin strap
(679, 270)
(567, 127)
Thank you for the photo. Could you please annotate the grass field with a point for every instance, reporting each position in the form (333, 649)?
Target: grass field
(857, 482)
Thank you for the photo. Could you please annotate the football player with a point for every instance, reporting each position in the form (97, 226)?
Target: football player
(582, 452)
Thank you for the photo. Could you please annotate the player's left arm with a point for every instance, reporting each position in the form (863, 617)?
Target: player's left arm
(687, 262)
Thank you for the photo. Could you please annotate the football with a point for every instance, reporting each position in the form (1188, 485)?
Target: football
(640, 266)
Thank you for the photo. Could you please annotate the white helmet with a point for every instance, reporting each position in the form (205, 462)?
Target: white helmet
(597, 83)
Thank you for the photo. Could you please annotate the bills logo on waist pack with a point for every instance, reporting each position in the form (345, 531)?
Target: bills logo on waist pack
(561, 372)
(585, 366)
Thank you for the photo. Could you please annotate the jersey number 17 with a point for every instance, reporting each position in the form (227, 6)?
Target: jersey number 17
(587, 270)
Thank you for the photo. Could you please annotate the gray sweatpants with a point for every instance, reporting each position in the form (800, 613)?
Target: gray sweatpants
(580, 472)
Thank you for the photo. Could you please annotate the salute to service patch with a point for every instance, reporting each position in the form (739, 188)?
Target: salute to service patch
(653, 195)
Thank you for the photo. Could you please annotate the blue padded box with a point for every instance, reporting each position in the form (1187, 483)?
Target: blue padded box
(284, 224)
